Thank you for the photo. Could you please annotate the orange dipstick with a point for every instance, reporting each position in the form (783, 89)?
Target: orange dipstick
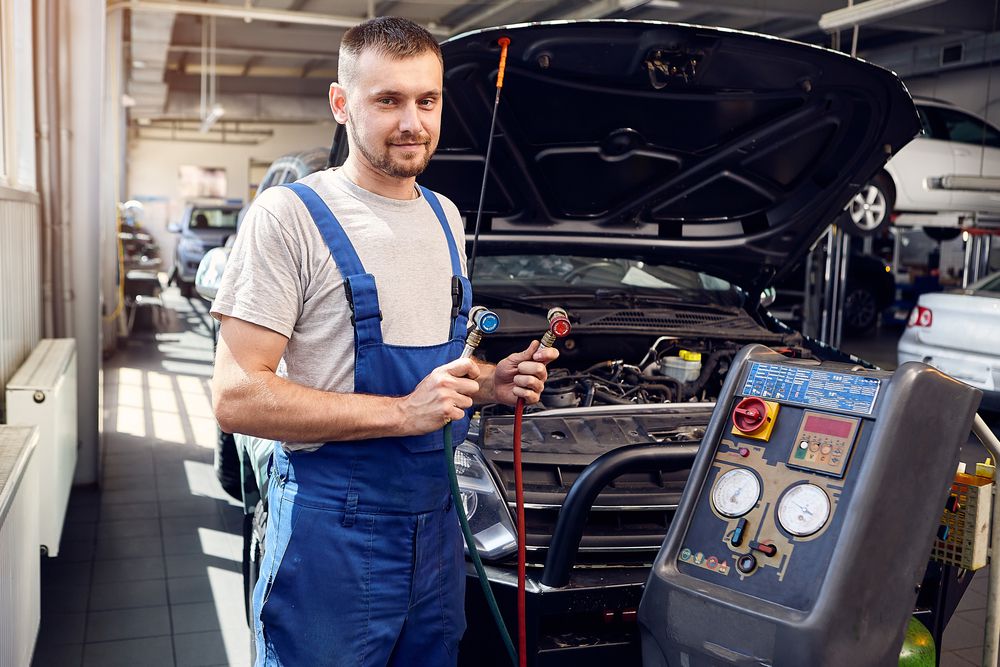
(504, 42)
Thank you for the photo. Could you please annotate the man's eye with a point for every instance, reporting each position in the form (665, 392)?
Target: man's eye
(429, 102)
(385, 100)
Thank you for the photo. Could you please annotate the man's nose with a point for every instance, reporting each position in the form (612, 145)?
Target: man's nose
(409, 120)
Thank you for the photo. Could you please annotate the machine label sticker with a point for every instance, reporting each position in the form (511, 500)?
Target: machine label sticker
(712, 563)
(813, 388)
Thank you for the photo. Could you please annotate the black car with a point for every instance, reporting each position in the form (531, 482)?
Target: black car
(652, 179)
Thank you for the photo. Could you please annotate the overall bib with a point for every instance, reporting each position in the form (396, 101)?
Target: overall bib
(364, 561)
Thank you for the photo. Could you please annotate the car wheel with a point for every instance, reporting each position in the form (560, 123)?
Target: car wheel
(870, 209)
(187, 289)
(860, 310)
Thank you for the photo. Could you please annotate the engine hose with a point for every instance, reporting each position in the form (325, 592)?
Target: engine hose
(707, 370)
(608, 397)
(470, 542)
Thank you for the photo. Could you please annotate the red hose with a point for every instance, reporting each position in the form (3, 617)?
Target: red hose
(522, 641)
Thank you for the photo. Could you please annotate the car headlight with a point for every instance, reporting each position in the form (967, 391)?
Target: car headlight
(489, 518)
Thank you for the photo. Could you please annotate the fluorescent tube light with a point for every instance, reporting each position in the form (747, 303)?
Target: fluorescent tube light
(866, 12)
(215, 114)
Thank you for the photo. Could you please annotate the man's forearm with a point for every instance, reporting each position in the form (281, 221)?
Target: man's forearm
(267, 406)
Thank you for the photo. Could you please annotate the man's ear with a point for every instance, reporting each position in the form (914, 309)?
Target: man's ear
(338, 102)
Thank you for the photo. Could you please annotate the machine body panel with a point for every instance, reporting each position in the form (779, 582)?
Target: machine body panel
(808, 518)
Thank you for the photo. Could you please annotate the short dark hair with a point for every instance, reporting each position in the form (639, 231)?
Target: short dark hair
(388, 35)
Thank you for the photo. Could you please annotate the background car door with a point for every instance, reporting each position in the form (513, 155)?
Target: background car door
(976, 147)
(927, 157)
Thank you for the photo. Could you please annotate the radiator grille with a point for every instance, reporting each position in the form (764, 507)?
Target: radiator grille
(20, 287)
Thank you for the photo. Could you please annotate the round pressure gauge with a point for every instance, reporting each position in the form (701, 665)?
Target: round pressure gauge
(736, 492)
(804, 509)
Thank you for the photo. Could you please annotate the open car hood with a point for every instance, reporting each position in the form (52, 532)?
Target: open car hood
(723, 151)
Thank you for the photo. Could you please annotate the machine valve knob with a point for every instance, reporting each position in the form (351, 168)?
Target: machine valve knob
(746, 563)
(750, 414)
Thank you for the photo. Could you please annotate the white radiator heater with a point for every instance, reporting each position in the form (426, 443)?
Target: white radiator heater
(43, 393)
(20, 604)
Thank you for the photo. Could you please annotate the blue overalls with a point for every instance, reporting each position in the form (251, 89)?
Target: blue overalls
(364, 561)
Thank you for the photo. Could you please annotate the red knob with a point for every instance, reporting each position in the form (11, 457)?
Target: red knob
(750, 414)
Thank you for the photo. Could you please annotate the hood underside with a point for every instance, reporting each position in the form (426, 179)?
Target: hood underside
(723, 151)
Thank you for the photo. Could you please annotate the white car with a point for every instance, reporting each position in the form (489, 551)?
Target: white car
(958, 332)
(953, 165)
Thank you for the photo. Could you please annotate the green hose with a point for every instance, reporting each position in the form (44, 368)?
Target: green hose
(456, 496)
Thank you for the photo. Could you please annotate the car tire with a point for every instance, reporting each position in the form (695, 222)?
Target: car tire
(861, 309)
(941, 234)
(253, 555)
(187, 289)
(870, 210)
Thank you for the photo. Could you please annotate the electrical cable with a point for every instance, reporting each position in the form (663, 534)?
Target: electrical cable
(120, 292)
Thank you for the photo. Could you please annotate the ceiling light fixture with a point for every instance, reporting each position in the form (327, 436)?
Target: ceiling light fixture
(866, 12)
(216, 112)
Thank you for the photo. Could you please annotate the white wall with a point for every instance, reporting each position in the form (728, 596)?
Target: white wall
(966, 88)
(153, 171)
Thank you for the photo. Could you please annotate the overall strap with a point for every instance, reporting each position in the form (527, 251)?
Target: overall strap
(461, 288)
(359, 286)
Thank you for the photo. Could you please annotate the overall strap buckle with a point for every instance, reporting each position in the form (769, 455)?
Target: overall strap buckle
(367, 283)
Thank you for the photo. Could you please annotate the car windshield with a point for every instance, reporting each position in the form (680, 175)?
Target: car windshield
(213, 218)
(991, 285)
(525, 276)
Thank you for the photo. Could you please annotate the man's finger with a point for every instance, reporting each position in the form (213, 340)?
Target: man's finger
(466, 368)
(532, 368)
(546, 355)
(524, 355)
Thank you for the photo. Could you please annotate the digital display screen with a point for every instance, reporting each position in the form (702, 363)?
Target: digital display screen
(825, 426)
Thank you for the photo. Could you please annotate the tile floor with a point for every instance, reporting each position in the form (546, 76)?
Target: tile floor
(148, 572)
(149, 569)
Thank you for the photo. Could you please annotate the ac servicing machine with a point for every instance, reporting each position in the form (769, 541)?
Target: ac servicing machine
(807, 521)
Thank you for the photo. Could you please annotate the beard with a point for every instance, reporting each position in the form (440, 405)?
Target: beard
(381, 158)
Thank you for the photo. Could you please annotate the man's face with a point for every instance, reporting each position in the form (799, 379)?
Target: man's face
(393, 112)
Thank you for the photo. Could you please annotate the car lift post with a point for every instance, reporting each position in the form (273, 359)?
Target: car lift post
(826, 284)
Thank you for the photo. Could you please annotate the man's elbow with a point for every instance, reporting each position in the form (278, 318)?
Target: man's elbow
(226, 406)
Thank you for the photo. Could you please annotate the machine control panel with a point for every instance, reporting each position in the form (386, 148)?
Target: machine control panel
(824, 442)
(779, 475)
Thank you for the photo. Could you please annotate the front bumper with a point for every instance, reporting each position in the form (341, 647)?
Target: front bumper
(591, 621)
(574, 615)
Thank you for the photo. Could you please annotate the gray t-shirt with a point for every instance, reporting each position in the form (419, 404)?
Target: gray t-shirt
(281, 275)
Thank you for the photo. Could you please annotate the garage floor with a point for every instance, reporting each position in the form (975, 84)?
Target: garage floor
(149, 569)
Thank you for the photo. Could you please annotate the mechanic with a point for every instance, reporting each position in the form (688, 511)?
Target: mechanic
(347, 277)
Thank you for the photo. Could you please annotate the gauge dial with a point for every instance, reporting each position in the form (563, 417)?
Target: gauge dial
(804, 509)
(736, 492)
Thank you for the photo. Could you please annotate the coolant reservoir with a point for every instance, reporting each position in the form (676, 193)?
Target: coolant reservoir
(686, 366)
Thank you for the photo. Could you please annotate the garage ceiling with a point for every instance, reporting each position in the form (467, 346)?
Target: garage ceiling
(276, 63)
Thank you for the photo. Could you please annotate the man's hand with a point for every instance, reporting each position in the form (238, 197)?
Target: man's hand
(441, 397)
(523, 374)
